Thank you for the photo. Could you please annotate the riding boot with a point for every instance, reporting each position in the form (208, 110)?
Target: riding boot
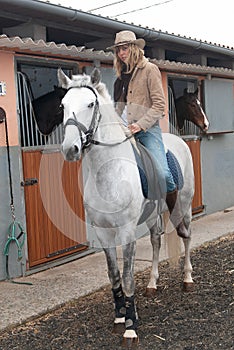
(176, 214)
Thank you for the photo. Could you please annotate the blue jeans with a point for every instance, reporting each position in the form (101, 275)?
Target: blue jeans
(152, 140)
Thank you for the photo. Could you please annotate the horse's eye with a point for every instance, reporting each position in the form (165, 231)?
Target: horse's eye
(61, 106)
(91, 105)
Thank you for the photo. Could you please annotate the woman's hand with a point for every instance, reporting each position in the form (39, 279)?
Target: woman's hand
(134, 128)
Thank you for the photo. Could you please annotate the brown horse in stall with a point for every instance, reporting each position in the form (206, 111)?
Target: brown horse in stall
(188, 107)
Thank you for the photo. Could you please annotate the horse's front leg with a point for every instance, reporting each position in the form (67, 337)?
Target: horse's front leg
(131, 318)
(118, 295)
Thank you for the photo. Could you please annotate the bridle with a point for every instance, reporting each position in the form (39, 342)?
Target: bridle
(87, 134)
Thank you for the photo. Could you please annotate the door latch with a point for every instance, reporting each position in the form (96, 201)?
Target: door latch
(29, 182)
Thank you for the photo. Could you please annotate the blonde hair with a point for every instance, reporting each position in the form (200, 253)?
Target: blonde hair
(135, 55)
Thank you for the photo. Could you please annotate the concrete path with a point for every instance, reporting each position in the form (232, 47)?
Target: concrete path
(54, 287)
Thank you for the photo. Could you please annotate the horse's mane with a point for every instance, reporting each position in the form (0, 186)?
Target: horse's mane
(80, 81)
(102, 90)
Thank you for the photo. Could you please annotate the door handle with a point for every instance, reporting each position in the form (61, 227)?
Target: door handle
(29, 182)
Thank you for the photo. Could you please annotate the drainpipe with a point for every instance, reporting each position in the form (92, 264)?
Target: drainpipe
(69, 17)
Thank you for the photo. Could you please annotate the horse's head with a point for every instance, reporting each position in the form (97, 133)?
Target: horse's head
(81, 107)
(188, 107)
(47, 111)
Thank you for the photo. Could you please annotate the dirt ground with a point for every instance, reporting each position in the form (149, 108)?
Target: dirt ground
(174, 320)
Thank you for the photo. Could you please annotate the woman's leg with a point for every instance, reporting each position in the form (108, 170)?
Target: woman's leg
(152, 140)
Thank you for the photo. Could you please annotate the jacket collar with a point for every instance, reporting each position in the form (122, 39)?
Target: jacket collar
(140, 65)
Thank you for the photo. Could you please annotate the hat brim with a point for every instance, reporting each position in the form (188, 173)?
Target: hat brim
(139, 42)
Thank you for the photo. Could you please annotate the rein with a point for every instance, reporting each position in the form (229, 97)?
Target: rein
(99, 143)
(90, 132)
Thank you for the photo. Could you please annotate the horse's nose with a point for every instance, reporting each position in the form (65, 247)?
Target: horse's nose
(206, 126)
(72, 154)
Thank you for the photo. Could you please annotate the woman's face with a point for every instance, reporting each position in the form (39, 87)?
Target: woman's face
(123, 52)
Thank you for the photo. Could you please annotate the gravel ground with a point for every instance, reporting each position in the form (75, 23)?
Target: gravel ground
(174, 320)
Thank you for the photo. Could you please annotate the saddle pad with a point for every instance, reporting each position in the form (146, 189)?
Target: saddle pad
(175, 168)
(148, 172)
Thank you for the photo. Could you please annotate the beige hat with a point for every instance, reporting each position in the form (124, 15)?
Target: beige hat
(127, 37)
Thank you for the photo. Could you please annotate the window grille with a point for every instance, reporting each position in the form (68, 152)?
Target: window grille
(29, 133)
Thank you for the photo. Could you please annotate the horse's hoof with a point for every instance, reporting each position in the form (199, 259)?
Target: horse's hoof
(188, 286)
(119, 328)
(150, 292)
(130, 343)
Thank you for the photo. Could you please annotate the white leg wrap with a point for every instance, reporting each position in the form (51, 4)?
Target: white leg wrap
(130, 333)
(119, 320)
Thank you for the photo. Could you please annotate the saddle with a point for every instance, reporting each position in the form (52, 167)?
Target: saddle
(149, 175)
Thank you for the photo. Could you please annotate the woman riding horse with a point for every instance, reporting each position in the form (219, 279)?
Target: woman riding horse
(140, 102)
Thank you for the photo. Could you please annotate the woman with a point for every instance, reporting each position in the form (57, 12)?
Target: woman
(140, 102)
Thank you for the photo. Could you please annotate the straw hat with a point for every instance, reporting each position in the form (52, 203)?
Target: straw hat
(127, 37)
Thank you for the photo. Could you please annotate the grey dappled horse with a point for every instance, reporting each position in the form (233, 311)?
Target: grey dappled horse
(112, 191)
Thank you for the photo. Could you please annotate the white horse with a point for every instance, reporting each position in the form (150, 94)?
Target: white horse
(112, 193)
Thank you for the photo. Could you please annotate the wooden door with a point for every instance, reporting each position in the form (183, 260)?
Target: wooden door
(194, 146)
(55, 215)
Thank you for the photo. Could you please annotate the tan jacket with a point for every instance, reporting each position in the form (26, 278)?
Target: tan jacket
(145, 99)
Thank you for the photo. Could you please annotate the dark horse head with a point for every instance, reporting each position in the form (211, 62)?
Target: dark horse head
(188, 107)
(47, 110)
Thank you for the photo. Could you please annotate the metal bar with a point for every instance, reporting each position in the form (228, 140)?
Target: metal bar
(22, 126)
(66, 250)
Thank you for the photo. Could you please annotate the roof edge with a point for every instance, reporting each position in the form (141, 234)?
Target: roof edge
(72, 15)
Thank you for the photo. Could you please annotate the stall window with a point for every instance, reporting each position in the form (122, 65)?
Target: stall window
(176, 88)
(219, 105)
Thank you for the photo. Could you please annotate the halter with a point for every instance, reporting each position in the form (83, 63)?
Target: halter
(90, 132)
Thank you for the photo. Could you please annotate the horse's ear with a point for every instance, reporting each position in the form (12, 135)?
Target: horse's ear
(95, 77)
(185, 91)
(196, 92)
(63, 79)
